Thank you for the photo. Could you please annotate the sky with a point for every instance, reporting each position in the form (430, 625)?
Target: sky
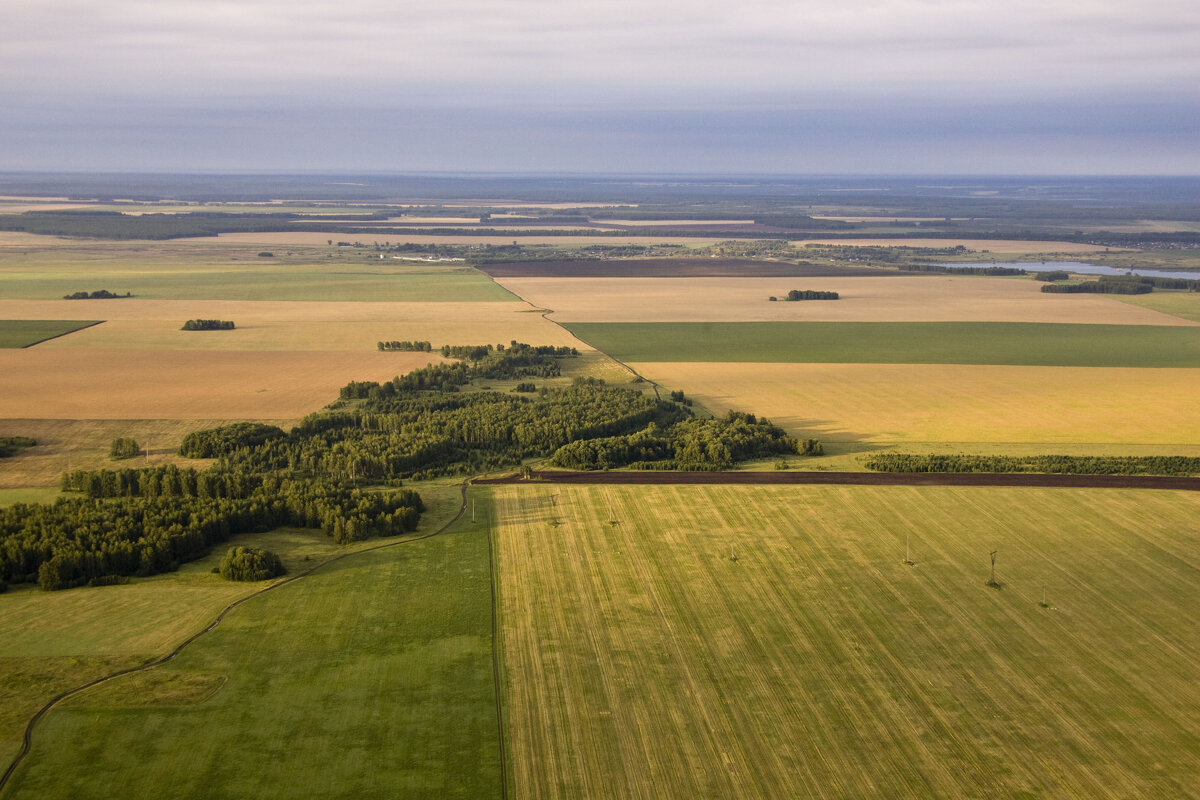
(1091, 87)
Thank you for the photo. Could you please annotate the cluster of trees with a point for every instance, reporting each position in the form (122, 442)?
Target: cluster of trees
(941, 268)
(525, 386)
(415, 434)
(1105, 285)
(142, 522)
(215, 442)
(11, 445)
(1052, 276)
(250, 564)
(689, 444)
(809, 294)
(406, 346)
(207, 325)
(1060, 465)
(101, 294)
(123, 447)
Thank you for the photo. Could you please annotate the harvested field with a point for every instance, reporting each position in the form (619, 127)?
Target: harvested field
(998, 246)
(888, 298)
(285, 325)
(1012, 343)
(45, 383)
(951, 403)
(28, 332)
(669, 268)
(767, 642)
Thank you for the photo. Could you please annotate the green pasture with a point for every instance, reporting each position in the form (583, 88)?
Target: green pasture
(1176, 303)
(183, 276)
(369, 678)
(766, 642)
(16, 333)
(1010, 343)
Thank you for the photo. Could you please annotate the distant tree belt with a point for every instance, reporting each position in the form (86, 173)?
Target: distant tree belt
(102, 294)
(1060, 465)
(11, 445)
(942, 268)
(406, 346)
(1124, 284)
(1052, 275)
(1105, 285)
(810, 294)
(207, 325)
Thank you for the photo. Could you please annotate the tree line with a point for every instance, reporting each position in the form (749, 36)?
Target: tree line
(100, 294)
(406, 346)
(1052, 464)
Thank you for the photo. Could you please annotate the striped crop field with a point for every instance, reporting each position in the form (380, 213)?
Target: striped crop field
(1050, 406)
(1012, 343)
(766, 642)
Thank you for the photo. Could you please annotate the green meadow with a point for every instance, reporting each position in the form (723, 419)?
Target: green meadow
(999, 343)
(15, 333)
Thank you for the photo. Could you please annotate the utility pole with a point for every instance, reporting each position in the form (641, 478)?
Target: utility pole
(992, 579)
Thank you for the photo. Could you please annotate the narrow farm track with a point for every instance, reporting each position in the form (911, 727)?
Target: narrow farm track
(1013, 479)
(27, 744)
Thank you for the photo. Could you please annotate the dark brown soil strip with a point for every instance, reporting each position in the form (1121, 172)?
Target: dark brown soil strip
(651, 478)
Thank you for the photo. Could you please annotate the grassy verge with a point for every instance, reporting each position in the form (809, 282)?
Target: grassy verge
(761, 642)
(999, 343)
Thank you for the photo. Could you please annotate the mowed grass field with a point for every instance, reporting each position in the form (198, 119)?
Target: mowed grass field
(16, 333)
(1028, 344)
(898, 297)
(766, 642)
(369, 678)
(1043, 407)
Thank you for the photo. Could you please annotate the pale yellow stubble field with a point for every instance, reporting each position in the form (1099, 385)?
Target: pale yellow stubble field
(95, 383)
(278, 325)
(920, 298)
(918, 403)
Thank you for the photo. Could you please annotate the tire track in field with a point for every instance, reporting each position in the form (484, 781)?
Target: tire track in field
(27, 742)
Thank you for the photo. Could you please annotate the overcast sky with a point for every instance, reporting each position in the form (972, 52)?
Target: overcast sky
(691, 86)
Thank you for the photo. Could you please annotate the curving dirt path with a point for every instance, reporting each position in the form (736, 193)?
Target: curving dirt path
(860, 479)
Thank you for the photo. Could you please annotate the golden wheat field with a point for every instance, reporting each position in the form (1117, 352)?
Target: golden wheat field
(770, 642)
(301, 325)
(900, 298)
(89, 383)
(951, 403)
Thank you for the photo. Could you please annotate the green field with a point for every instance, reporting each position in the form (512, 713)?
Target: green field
(16, 333)
(767, 642)
(152, 274)
(369, 678)
(1000, 343)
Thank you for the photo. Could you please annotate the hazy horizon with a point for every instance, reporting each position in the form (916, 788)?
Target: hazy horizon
(897, 87)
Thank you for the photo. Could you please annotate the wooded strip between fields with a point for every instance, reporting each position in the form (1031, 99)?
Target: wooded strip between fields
(856, 479)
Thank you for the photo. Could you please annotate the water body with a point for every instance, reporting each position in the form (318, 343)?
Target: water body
(1080, 267)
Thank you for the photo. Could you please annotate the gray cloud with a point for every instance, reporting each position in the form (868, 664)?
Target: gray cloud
(79, 71)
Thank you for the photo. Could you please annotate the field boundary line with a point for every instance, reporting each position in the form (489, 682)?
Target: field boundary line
(1010, 479)
(493, 580)
(27, 744)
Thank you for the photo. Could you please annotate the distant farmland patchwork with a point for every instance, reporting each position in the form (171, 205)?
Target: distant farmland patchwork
(762, 642)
